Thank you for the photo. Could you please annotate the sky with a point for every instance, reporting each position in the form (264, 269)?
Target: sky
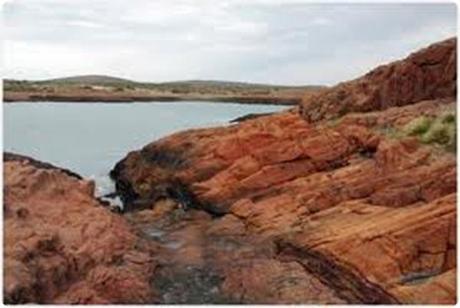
(290, 42)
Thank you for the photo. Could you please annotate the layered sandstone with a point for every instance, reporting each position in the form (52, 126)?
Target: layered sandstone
(62, 246)
(284, 210)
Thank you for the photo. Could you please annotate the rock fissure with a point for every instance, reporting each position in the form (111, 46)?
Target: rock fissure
(349, 286)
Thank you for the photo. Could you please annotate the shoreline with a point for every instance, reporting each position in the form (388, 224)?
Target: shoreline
(151, 99)
(85, 89)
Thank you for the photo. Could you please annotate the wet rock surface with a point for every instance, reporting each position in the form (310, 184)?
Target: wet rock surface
(278, 209)
(206, 260)
(250, 116)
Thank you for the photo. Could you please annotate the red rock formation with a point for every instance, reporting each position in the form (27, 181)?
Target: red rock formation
(430, 73)
(62, 246)
(342, 210)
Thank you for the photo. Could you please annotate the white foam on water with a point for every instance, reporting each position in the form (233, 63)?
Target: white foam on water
(104, 185)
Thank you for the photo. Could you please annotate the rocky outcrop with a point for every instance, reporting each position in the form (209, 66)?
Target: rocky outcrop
(62, 247)
(430, 73)
(283, 210)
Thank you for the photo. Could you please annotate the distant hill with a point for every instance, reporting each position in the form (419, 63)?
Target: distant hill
(221, 83)
(89, 79)
(102, 88)
(109, 80)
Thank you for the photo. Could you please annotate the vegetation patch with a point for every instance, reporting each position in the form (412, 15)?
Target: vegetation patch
(440, 130)
(418, 126)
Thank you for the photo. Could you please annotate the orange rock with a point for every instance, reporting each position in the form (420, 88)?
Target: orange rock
(390, 247)
(353, 214)
(277, 282)
(62, 246)
(430, 73)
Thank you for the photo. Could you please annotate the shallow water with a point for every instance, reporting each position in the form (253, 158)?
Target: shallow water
(89, 138)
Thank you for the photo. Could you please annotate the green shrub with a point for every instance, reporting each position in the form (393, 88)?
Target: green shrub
(448, 118)
(441, 130)
(439, 133)
(418, 126)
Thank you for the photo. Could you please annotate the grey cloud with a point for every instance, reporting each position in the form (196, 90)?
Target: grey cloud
(289, 42)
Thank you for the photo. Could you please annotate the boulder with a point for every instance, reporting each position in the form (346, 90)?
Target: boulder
(62, 246)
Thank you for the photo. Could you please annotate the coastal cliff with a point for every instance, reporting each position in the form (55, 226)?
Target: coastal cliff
(348, 198)
(351, 197)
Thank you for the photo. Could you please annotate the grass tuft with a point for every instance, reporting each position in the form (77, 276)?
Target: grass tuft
(418, 126)
(441, 130)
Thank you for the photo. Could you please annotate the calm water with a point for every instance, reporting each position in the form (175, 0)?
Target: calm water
(90, 138)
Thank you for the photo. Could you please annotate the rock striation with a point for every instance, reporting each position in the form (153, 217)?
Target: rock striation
(319, 204)
(61, 246)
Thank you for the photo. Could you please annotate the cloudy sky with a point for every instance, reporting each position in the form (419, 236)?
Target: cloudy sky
(282, 42)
